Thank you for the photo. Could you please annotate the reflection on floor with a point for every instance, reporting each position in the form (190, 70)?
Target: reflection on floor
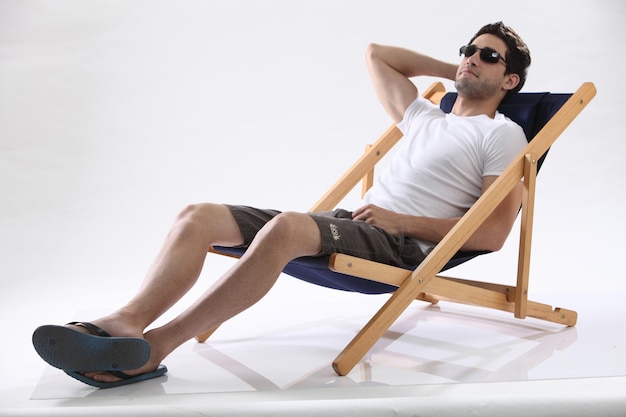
(427, 346)
(275, 359)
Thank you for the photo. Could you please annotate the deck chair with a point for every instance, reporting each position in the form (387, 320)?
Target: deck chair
(543, 116)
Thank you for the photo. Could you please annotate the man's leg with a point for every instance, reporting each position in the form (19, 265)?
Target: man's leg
(176, 267)
(287, 236)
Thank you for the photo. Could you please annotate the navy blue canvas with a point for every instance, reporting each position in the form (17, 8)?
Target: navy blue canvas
(315, 270)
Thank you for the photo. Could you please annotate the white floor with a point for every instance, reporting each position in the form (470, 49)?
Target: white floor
(440, 360)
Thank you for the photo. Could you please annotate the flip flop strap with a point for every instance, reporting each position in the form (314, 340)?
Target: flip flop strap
(120, 374)
(93, 329)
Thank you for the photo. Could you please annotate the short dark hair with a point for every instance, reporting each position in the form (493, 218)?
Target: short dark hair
(517, 55)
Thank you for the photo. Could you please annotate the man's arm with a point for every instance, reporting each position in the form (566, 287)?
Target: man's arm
(390, 70)
(491, 235)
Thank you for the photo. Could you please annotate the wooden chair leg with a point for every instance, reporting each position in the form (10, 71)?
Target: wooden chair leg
(429, 298)
(528, 203)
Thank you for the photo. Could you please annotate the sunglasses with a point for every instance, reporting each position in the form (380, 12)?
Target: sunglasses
(486, 54)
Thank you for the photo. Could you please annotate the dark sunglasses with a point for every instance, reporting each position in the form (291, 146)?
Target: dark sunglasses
(486, 54)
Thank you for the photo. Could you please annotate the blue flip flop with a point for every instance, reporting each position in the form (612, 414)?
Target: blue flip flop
(126, 379)
(75, 351)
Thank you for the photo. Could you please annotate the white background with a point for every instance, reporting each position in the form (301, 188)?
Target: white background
(116, 114)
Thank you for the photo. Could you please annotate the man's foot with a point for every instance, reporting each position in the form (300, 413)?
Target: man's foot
(110, 379)
(84, 347)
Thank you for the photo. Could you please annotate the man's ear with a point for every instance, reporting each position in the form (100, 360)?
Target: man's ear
(510, 81)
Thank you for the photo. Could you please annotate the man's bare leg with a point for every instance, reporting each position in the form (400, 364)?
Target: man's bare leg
(286, 237)
(175, 269)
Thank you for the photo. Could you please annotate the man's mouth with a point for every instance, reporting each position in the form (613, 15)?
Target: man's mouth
(468, 71)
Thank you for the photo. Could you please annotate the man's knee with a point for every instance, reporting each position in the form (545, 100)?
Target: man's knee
(214, 224)
(287, 222)
(292, 230)
(196, 213)
(213, 221)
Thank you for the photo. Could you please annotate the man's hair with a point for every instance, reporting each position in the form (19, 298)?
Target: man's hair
(517, 56)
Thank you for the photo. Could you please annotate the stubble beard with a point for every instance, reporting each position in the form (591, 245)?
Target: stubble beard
(477, 90)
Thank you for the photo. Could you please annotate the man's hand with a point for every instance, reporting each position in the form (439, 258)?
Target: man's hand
(491, 234)
(387, 220)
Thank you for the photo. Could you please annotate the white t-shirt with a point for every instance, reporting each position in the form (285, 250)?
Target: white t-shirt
(438, 168)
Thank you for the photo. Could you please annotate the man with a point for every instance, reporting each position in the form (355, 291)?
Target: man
(445, 163)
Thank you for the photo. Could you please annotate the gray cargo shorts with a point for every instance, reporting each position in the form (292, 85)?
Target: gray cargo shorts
(340, 234)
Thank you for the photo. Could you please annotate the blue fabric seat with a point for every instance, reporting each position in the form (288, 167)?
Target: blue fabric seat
(530, 110)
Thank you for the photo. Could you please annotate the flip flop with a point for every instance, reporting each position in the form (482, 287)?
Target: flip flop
(71, 350)
(126, 379)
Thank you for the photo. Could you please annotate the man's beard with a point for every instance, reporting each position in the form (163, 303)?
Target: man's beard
(481, 90)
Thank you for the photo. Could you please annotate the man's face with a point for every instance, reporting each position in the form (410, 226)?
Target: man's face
(477, 79)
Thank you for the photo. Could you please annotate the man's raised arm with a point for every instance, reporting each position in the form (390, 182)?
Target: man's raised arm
(391, 68)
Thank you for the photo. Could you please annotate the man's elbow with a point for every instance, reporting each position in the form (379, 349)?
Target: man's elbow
(378, 53)
(496, 245)
(491, 242)
(372, 51)
(488, 246)
(497, 241)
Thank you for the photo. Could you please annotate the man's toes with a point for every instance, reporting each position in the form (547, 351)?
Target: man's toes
(101, 376)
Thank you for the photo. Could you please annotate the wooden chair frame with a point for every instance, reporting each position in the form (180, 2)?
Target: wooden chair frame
(424, 283)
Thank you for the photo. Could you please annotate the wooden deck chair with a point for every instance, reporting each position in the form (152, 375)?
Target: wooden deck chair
(543, 116)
